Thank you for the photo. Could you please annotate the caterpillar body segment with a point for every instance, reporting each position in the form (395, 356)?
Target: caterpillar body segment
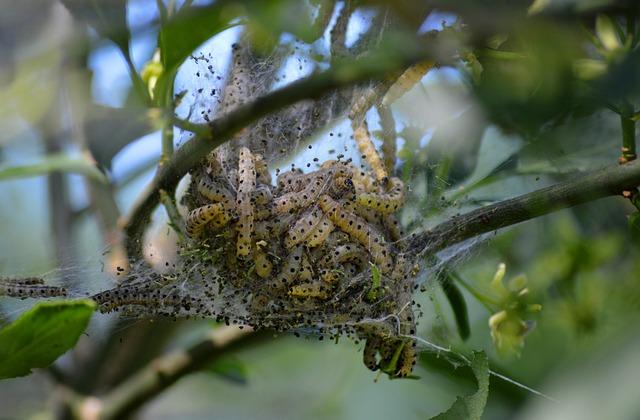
(303, 228)
(215, 191)
(350, 252)
(244, 207)
(111, 300)
(263, 175)
(392, 225)
(370, 352)
(292, 201)
(406, 81)
(289, 270)
(363, 182)
(360, 230)
(369, 153)
(263, 265)
(215, 214)
(406, 361)
(261, 195)
(385, 203)
(367, 214)
(320, 233)
(309, 290)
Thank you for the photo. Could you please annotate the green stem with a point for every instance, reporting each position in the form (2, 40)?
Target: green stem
(175, 220)
(628, 135)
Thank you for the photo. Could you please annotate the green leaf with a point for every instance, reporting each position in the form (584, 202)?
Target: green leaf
(496, 148)
(269, 19)
(458, 306)
(52, 163)
(376, 279)
(471, 407)
(185, 32)
(41, 335)
(232, 369)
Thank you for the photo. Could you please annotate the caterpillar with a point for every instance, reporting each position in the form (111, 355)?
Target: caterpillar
(214, 191)
(406, 81)
(309, 290)
(384, 202)
(369, 152)
(110, 300)
(303, 228)
(199, 218)
(367, 214)
(363, 182)
(262, 170)
(261, 195)
(29, 287)
(290, 181)
(290, 269)
(289, 202)
(370, 351)
(246, 185)
(388, 125)
(320, 233)
(361, 231)
(345, 253)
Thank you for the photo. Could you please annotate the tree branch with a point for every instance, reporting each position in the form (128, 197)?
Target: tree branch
(611, 180)
(164, 371)
(376, 65)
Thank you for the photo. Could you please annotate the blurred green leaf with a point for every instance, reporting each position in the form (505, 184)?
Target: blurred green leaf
(232, 369)
(495, 149)
(607, 33)
(52, 163)
(268, 19)
(544, 6)
(192, 26)
(472, 406)
(41, 335)
(107, 17)
(109, 130)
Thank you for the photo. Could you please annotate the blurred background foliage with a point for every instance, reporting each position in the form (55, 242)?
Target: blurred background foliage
(539, 92)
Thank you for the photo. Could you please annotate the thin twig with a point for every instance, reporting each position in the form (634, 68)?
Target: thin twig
(164, 371)
(608, 181)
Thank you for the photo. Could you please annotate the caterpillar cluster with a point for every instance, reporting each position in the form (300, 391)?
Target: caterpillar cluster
(316, 251)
